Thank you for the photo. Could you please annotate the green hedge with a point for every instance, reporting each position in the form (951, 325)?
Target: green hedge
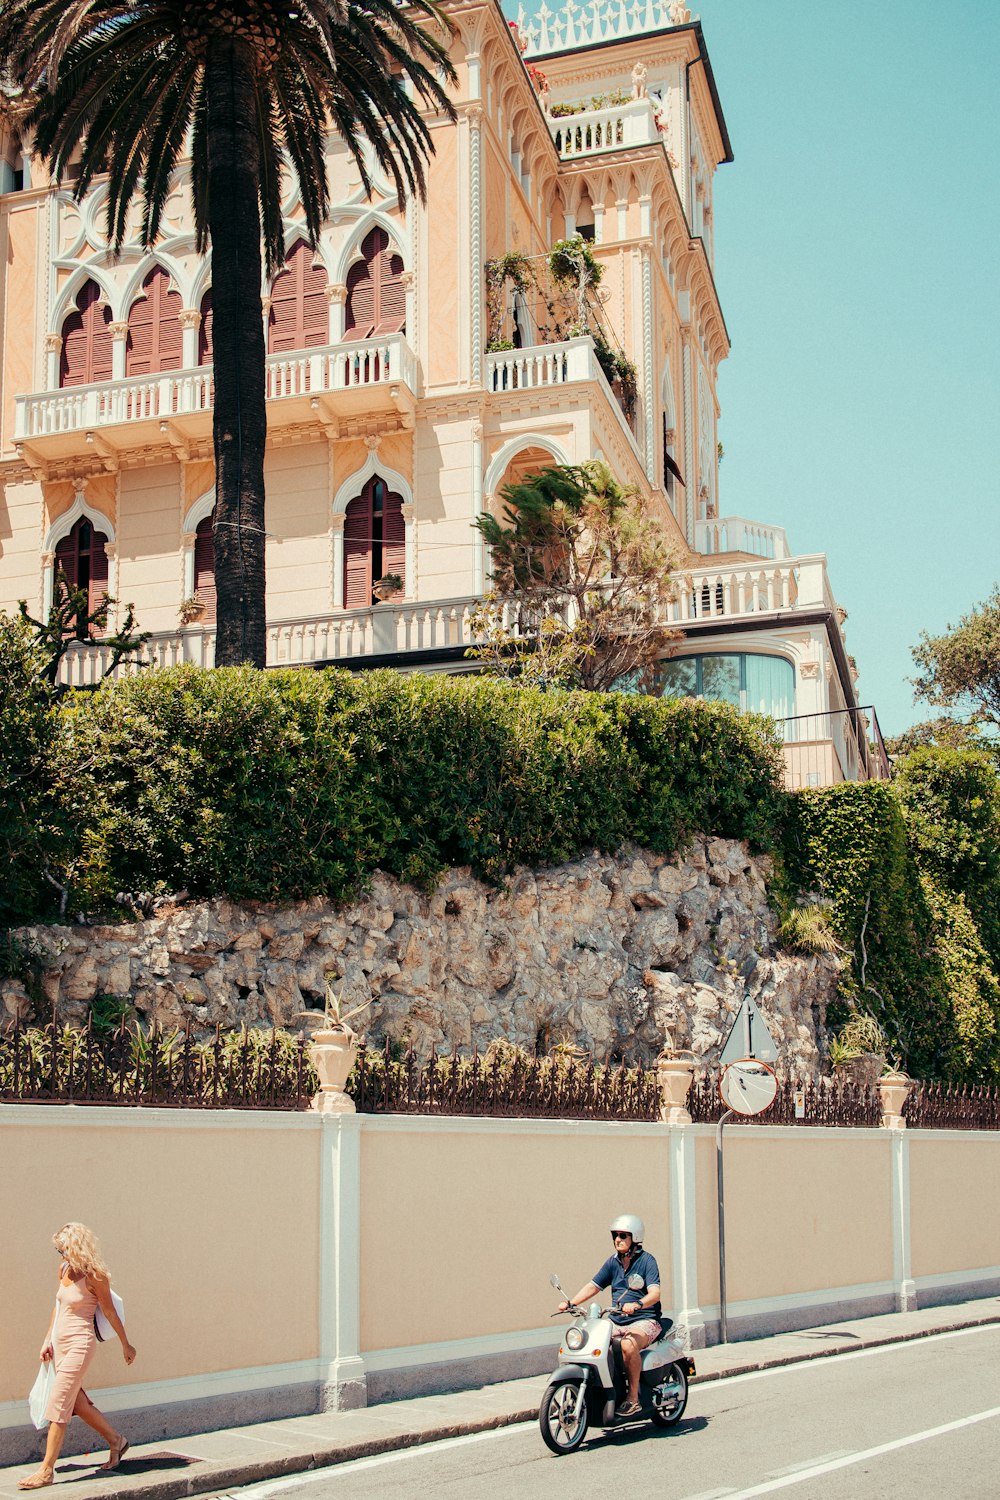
(283, 785)
(31, 838)
(917, 962)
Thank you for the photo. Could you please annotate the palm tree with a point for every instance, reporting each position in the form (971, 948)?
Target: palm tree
(250, 87)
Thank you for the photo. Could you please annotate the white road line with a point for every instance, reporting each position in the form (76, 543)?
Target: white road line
(331, 1471)
(769, 1486)
(830, 1360)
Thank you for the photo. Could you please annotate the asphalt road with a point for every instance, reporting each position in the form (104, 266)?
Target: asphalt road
(911, 1419)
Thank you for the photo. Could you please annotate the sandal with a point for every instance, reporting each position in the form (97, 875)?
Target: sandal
(116, 1454)
(35, 1482)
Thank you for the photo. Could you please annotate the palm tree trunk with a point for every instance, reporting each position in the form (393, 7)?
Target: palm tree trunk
(240, 418)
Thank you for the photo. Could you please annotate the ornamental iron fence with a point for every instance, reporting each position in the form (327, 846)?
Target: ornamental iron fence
(271, 1069)
(166, 1069)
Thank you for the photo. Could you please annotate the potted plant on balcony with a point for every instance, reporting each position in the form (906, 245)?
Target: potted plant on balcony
(332, 1050)
(389, 586)
(192, 610)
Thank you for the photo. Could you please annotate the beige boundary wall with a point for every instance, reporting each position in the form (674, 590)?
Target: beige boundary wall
(275, 1264)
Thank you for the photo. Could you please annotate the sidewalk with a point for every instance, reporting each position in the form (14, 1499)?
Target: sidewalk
(215, 1461)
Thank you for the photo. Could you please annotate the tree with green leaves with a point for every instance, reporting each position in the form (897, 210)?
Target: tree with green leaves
(960, 670)
(581, 582)
(251, 89)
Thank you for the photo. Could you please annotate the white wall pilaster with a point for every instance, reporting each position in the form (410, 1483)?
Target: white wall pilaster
(902, 1265)
(684, 1237)
(343, 1385)
(337, 521)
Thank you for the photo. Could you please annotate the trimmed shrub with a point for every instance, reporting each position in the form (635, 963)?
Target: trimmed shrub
(283, 785)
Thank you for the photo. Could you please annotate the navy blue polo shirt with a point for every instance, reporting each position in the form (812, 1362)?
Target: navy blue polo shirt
(630, 1284)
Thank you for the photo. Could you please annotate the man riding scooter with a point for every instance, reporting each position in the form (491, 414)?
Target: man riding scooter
(634, 1278)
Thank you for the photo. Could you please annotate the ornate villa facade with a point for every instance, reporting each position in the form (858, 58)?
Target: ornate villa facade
(405, 387)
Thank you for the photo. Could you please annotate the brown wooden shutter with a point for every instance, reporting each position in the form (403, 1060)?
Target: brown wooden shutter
(391, 295)
(98, 581)
(86, 350)
(66, 558)
(204, 567)
(205, 355)
(299, 318)
(155, 339)
(393, 536)
(358, 552)
(376, 297)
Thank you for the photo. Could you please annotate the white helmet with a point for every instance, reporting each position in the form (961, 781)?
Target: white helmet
(629, 1224)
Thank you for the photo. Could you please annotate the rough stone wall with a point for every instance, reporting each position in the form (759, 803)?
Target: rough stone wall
(609, 953)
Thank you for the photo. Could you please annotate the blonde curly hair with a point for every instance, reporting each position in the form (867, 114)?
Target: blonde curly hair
(79, 1249)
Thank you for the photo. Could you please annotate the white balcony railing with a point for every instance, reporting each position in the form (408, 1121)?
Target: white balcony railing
(336, 367)
(608, 129)
(396, 629)
(543, 366)
(342, 637)
(766, 587)
(737, 534)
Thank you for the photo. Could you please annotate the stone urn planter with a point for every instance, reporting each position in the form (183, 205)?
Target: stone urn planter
(332, 1053)
(388, 587)
(332, 1049)
(865, 1069)
(893, 1088)
(674, 1073)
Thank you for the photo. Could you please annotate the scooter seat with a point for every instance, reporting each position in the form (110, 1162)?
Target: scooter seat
(665, 1326)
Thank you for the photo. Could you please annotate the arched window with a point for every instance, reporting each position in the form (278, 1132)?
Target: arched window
(13, 168)
(154, 332)
(204, 567)
(205, 355)
(758, 684)
(82, 560)
(376, 297)
(299, 316)
(374, 541)
(86, 350)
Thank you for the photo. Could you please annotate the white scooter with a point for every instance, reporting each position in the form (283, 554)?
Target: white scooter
(590, 1380)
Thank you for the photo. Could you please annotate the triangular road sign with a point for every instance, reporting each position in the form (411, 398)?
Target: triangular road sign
(748, 1037)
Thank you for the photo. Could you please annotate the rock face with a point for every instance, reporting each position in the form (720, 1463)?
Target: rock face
(609, 953)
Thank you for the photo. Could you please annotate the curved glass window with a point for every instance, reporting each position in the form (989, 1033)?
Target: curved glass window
(758, 684)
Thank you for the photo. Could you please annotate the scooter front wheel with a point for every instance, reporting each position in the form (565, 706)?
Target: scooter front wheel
(562, 1416)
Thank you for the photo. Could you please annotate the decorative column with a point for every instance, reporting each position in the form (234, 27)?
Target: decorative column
(409, 284)
(265, 312)
(408, 512)
(119, 337)
(343, 1382)
(688, 406)
(48, 582)
(336, 296)
(53, 353)
(683, 1200)
(475, 118)
(188, 541)
(479, 544)
(648, 393)
(190, 320)
(337, 523)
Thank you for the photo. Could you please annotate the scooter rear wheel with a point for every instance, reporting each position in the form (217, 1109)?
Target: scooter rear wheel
(675, 1379)
(562, 1417)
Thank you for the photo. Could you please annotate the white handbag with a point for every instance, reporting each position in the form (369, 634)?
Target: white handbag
(102, 1327)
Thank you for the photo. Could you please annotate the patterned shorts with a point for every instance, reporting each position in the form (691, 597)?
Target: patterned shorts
(643, 1332)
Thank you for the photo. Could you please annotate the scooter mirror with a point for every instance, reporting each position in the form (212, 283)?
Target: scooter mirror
(554, 1281)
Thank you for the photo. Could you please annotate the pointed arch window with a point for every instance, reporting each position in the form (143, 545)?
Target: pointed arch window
(86, 345)
(204, 567)
(154, 332)
(374, 541)
(376, 296)
(299, 316)
(82, 560)
(205, 354)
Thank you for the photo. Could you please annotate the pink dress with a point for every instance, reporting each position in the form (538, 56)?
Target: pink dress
(74, 1344)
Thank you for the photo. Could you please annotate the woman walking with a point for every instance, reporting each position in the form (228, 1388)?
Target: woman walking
(84, 1286)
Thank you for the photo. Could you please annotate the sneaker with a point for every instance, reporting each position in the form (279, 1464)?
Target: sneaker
(628, 1409)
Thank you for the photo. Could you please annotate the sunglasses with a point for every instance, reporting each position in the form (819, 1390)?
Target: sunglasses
(620, 1234)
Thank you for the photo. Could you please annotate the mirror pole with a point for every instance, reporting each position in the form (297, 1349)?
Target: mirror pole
(723, 1327)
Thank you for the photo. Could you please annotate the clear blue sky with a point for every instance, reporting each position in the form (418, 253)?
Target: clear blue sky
(858, 265)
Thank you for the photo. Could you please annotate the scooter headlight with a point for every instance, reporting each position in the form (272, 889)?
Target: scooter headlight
(575, 1337)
